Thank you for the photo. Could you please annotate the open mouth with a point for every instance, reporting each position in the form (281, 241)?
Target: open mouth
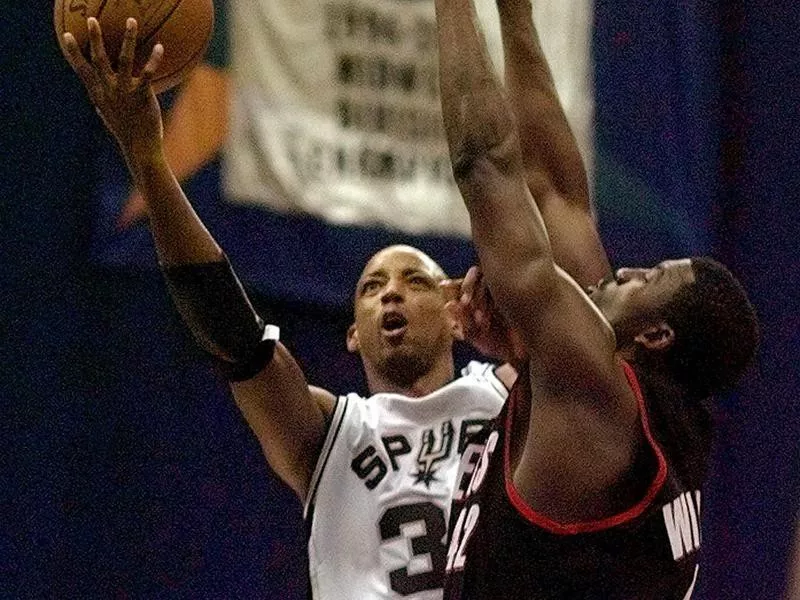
(393, 323)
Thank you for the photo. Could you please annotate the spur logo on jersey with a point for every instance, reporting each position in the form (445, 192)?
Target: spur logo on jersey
(436, 446)
(682, 521)
(433, 450)
(371, 467)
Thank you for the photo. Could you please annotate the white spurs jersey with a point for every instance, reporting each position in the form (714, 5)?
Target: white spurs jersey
(380, 495)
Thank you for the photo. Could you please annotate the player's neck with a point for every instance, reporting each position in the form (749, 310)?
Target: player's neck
(439, 375)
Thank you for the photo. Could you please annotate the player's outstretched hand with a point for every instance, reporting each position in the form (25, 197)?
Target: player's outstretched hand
(127, 104)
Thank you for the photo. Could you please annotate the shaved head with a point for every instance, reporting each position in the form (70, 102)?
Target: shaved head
(425, 261)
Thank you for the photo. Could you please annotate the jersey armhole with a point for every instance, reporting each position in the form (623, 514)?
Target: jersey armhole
(337, 419)
(626, 516)
(496, 382)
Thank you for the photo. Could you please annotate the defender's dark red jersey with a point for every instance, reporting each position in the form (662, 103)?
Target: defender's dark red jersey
(501, 549)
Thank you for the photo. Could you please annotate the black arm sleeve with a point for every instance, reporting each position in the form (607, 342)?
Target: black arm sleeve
(213, 304)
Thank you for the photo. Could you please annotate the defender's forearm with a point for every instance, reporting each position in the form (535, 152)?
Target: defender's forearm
(549, 148)
(484, 146)
(554, 169)
(477, 118)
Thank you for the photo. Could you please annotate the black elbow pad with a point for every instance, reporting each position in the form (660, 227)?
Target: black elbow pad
(213, 304)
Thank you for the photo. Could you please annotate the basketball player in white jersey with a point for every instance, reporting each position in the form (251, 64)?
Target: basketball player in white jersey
(375, 475)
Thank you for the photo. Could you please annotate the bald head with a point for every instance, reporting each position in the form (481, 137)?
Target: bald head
(406, 254)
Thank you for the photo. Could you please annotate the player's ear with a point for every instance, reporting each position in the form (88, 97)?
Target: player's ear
(454, 320)
(352, 339)
(657, 337)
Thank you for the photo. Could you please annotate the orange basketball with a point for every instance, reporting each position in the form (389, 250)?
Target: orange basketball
(182, 26)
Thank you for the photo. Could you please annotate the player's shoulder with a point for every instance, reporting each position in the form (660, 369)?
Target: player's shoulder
(478, 370)
(485, 373)
(358, 411)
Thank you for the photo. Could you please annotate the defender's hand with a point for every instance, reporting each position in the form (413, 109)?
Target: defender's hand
(483, 326)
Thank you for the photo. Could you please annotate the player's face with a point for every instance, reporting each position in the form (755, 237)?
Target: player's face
(400, 311)
(632, 297)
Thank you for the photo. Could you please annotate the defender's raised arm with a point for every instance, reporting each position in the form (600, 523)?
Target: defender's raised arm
(580, 388)
(554, 168)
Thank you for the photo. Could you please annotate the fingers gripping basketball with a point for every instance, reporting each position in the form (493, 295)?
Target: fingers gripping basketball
(183, 27)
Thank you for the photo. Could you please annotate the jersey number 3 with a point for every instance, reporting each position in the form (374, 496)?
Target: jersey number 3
(423, 526)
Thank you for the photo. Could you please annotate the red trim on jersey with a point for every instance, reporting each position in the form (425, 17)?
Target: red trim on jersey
(552, 526)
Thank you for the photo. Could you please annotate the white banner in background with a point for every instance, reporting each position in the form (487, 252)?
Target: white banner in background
(337, 114)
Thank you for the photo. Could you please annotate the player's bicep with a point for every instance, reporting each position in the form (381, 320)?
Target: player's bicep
(571, 344)
(287, 417)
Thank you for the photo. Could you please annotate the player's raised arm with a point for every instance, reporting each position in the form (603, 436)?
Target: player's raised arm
(580, 389)
(485, 155)
(554, 168)
(269, 388)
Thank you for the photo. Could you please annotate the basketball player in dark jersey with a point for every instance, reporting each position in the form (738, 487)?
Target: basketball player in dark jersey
(588, 486)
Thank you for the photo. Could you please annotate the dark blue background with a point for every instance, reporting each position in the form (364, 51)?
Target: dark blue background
(127, 472)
